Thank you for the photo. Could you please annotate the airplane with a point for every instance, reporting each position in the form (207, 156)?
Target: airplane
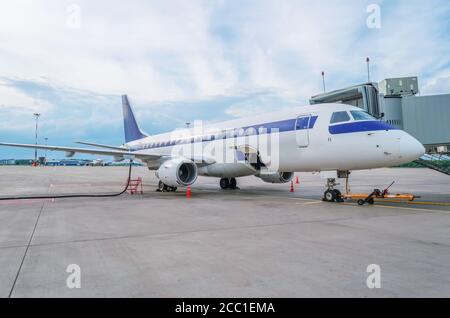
(332, 139)
(97, 162)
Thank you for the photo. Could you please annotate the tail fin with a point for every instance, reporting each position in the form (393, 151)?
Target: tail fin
(132, 130)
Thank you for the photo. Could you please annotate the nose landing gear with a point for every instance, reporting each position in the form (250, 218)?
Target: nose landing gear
(228, 183)
(332, 194)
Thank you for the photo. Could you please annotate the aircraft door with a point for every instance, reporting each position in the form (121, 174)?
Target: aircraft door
(302, 130)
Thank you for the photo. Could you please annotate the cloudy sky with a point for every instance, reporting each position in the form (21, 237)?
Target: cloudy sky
(211, 60)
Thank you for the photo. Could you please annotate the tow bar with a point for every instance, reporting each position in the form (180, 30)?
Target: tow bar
(363, 198)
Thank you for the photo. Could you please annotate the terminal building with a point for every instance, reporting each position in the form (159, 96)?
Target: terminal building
(397, 101)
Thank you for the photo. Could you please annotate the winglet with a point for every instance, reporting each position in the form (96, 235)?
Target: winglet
(131, 128)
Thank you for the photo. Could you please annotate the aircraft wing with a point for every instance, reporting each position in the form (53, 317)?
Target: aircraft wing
(70, 151)
(101, 145)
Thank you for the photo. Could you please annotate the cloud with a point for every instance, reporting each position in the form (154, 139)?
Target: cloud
(437, 84)
(179, 50)
(261, 102)
(15, 100)
(149, 50)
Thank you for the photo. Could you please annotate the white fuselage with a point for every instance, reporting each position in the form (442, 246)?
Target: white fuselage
(301, 139)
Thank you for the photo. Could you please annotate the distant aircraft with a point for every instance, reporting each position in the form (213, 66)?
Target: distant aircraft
(332, 139)
(96, 162)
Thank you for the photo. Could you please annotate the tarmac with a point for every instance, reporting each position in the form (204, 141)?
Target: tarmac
(259, 241)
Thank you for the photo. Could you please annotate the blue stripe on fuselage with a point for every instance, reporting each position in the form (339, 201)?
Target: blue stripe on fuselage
(358, 126)
(266, 128)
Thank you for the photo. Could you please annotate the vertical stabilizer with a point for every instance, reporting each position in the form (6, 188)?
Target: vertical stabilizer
(132, 130)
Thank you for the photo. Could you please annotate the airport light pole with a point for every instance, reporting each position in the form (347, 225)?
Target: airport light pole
(46, 139)
(36, 115)
(323, 81)
(368, 69)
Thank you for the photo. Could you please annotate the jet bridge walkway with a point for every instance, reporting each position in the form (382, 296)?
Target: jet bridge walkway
(438, 162)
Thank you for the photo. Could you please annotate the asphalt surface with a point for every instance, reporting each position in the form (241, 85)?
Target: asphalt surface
(259, 241)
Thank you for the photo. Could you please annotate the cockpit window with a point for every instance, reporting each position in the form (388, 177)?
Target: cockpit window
(361, 115)
(338, 117)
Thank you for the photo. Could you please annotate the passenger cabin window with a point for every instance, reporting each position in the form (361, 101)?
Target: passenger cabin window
(250, 131)
(339, 117)
(361, 115)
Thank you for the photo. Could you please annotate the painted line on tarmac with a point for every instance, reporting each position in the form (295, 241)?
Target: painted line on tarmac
(315, 201)
(419, 202)
(399, 207)
(13, 202)
(291, 198)
(309, 203)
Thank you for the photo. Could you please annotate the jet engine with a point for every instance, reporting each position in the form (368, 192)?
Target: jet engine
(177, 172)
(276, 177)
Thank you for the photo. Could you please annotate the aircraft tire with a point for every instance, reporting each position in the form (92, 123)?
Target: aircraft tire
(329, 196)
(338, 195)
(224, 183)
(162, 186)
(233, 183)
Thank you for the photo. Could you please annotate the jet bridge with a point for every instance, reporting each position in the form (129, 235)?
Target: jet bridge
(365, 96)
(436, 161)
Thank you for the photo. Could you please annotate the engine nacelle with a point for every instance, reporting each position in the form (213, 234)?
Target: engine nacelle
(276, 177)
(177, 172)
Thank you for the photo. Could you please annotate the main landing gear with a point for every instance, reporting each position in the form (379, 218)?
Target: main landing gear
(162, 187)
(228, 183)
(332, 194)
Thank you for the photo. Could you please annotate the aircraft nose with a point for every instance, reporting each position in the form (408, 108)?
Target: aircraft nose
(410, 148)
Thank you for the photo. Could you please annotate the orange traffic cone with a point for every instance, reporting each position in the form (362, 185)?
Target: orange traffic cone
(296, 180)
(188, 192)
(292, 186)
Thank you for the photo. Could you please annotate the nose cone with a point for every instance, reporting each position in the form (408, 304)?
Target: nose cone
(410, 148)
